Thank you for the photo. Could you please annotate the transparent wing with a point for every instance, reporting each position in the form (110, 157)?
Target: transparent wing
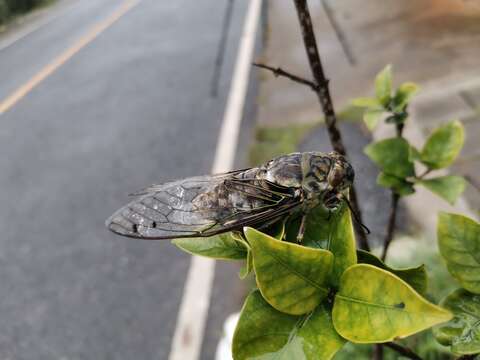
(202, 206)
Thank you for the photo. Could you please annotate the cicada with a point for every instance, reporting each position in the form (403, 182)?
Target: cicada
(284, 187)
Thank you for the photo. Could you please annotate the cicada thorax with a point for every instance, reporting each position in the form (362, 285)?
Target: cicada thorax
(315, 169)
(284, 170)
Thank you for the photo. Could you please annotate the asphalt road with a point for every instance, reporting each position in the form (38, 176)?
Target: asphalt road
(131, 108)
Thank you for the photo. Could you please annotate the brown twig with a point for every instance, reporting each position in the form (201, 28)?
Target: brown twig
(468, 357)
(277, 71)
(392, 220)
(405, 351)
(425, 173)
(378, 352)
(325, 100)
(391, 224)
(323, 91)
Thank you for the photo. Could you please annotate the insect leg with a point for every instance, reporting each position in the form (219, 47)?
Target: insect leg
(329, 214)
(301, 229)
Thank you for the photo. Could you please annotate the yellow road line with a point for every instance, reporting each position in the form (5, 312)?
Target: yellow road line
(96, 30)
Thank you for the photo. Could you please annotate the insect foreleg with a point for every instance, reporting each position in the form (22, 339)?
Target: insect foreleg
(301, 229)
(329, 215)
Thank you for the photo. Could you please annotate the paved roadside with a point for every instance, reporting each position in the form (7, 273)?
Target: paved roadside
(131, 108)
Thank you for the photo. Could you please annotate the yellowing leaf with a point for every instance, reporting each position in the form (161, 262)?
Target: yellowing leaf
(333, 232)
(247, 268)
(291, 278)
(223, 246)
(375, 306)
(443, 145)
(416, 277)
(403, 95)
(462, 333)
(447, 187)
(277, 230)
(371, 117)
(265, 333)
(459, 243)
(365, 102)
(383, 85)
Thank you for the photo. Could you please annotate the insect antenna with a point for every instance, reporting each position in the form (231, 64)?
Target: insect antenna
(355, 216)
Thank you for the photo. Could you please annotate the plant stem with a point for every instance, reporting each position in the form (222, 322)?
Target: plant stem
(425, 173)
(405, 351)
(325, 100)
(468, 357)
(391, 224)
(323, 91)
(392, 220)
(378, 352)
(277, 71)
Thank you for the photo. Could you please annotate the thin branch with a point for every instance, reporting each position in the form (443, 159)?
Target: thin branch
(405, 351)
(391, 224)
(468, 357)
(325, 100)
(392, 220)
(280, 72)
(425, 173)
(323, 92)
(378, 352)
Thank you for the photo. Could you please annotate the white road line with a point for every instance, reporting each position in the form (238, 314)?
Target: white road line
(192, 315)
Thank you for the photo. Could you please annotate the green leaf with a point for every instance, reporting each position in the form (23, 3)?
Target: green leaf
(291, 278)
(371, 117)
(265, 333)
(459, 243)
(392, 156)
(403, 95)
(414, 154)
(399, 185)
(277, 230)
(341, 243)
(365, 102)
(443, 145)
(247, 268)
(383, 85)
(223, 246)
(462, 333)
(416, 277)
(397, 118)
(447, 187)
(375, 306)
(329, 231)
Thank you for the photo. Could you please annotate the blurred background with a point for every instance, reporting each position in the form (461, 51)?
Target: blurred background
(99, 98)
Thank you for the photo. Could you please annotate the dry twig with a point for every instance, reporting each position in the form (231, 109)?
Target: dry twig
(405, 351)
(277, 71)
(323, 93)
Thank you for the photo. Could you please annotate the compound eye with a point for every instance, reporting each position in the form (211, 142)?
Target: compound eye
(335, 177)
